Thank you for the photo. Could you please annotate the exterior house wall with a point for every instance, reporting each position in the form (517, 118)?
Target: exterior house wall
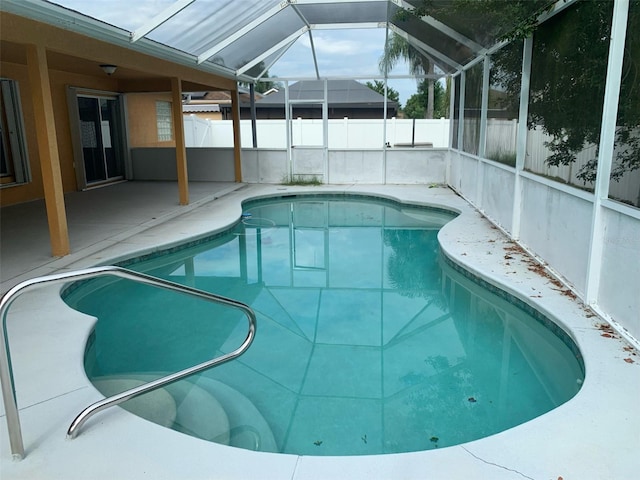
(11, 194)
(141, 118)
(59, 81)
(74, 61)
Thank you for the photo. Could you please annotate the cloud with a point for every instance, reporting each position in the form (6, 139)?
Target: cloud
(346, 42)
(125, 14)
(340, 53)
(324, 45)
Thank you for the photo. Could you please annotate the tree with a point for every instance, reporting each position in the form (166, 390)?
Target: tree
(378, 86)
(570, 58)
(263, 86)
(417, 104)
(567, 101)
(398, 48)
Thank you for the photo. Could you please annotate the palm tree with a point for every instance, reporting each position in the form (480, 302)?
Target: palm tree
(398, 48)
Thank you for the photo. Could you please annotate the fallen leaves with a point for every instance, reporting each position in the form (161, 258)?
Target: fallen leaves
(607, 330)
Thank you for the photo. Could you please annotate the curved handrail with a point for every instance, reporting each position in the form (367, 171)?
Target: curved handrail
(6, 371)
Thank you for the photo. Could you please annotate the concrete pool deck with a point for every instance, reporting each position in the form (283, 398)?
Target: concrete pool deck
(595, 435)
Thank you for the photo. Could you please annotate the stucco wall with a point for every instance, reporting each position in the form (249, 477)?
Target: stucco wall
(463, 173)
(59, 81)
(555, 224)
(497, 194)
(619, 293)
(264, 165)
(11, 194)
(141, 118)
(203, 164)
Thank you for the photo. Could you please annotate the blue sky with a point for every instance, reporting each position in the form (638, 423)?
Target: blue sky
(340, 53)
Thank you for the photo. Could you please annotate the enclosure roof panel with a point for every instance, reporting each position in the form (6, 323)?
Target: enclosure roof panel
(247, 38)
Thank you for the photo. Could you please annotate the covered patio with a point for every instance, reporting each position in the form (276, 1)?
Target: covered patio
(97, 219)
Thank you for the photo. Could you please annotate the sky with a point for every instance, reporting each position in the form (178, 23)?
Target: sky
(340, 53)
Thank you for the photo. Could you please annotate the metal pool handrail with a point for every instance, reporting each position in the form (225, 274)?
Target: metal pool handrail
(6, 371)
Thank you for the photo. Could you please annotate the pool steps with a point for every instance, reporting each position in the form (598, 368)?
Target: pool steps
(206, 409)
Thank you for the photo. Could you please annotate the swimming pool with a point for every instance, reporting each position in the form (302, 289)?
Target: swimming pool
(369, 341)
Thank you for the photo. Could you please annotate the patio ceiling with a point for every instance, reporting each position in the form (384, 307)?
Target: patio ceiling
(244, 39)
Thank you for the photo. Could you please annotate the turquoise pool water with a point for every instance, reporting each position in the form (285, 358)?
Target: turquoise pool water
(369, 341)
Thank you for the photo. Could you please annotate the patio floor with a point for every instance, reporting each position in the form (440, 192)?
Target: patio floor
(96, 218)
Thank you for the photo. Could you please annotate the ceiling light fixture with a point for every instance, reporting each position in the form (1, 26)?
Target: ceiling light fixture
(108, 69)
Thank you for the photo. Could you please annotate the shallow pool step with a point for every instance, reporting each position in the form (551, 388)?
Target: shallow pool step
(157, 406)
(248, 428)
(182, 406)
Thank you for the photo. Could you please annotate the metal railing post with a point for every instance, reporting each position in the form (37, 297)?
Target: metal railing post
(6, 370)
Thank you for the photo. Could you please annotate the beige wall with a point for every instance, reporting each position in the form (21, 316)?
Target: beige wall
(59, 81)
(141, 112)
(16, 194)
(74, 60)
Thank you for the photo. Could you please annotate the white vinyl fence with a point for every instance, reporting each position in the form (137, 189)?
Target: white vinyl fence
(501, 143)
(343, 133)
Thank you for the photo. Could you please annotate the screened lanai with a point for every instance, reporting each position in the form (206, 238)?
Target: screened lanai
(540, 104)
(541, 99)
(249, 38)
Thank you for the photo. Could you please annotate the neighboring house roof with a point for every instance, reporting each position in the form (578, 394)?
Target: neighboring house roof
(340, 93)
(220, 96)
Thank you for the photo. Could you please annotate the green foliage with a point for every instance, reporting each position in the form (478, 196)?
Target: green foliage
(398, 48)
(507, 158)
(566, 100)
(487, 21)
(262, 87)
(378, 86)
(412, 265)
(568, 70)
(416, 106)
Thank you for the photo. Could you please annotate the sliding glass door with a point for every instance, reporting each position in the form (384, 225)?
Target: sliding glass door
(100, 123)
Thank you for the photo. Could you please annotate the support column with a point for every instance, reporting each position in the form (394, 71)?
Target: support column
(48, 149)
(521, 145)
(237, 142)
(181, 150)
(606, 147)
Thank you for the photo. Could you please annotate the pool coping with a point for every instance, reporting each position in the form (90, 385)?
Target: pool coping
(594, 435)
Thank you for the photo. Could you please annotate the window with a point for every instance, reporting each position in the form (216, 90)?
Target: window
(14, 166)
(164, 121)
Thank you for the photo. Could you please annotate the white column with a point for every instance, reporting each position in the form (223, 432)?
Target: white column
(521, 146)
(607, 141)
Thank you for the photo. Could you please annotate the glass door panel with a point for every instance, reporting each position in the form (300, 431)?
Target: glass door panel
(101, 138)
(90, 133)
(111, 139)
